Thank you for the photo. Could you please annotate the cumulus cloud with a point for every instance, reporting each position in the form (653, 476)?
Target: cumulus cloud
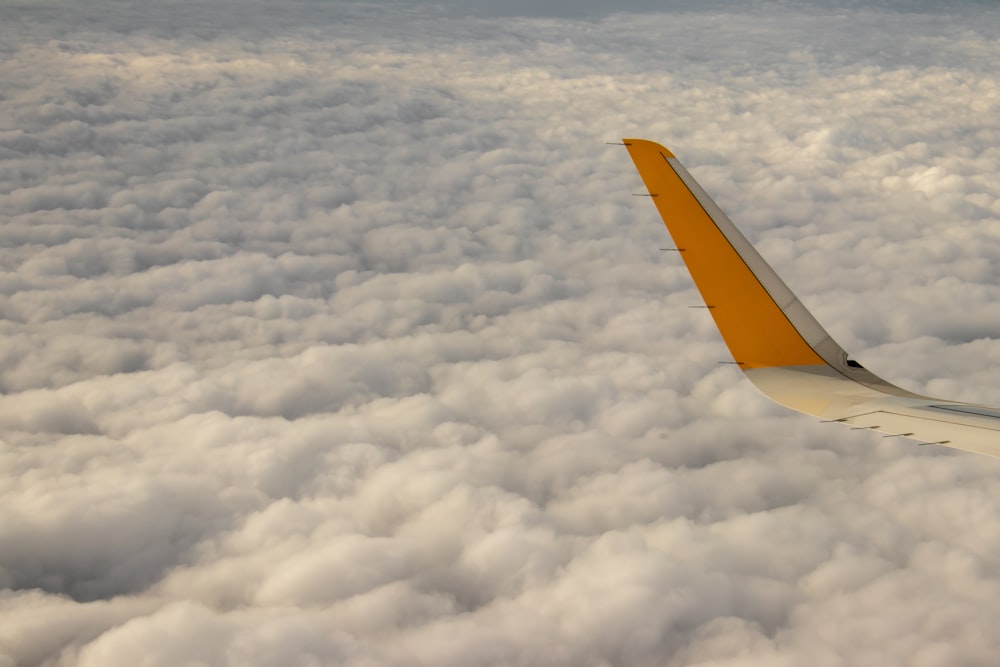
(333, 335)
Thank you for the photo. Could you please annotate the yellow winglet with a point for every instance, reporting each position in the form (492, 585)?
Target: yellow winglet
(752, 307)
(780, 346)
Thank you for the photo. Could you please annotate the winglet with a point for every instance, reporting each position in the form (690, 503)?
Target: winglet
(762, 322)
(779, 345)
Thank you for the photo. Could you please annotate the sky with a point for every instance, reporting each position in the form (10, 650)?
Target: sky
(332, 334)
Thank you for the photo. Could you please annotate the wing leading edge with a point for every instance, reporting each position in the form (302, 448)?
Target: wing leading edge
(777, 343)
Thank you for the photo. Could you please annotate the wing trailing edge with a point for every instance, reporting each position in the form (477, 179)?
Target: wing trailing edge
(776, 341)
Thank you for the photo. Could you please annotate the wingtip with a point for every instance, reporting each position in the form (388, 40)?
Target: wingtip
(652, 144)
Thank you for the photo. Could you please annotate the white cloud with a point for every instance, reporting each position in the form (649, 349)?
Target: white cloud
(332, 334)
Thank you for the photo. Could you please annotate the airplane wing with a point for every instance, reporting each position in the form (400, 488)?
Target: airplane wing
(777, 343)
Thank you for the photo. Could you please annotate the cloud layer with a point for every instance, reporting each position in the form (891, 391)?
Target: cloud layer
(333, 335)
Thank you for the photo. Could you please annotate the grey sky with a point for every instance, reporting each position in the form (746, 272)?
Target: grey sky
(332, 334)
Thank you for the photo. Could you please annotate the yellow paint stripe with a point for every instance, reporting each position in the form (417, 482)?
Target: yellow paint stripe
(758, 333)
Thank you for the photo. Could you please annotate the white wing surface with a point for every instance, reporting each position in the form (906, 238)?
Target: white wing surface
(779, 345)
